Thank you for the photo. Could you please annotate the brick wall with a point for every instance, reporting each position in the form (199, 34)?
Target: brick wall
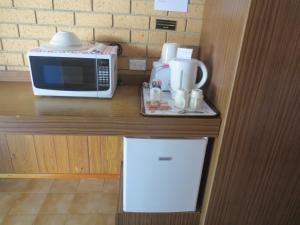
(29, 23)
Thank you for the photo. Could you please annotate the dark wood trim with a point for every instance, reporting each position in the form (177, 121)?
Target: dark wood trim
(257, 176)
(221, 42)
(125, 126)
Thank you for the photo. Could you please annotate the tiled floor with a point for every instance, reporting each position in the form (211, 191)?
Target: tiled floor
(58, 202)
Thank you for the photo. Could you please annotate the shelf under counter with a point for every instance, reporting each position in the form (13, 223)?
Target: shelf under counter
(22, 112)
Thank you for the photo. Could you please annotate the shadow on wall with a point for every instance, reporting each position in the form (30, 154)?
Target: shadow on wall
(205, 173)
(206, 55)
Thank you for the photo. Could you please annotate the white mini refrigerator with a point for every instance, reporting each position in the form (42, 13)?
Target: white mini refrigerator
(162, 175)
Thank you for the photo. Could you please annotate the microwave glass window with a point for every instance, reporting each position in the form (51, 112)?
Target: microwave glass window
(69, 74)
(59, 75)
(77, 75)
(52, 75)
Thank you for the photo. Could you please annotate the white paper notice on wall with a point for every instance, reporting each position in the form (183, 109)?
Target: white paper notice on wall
(171, 5)
(184, 53)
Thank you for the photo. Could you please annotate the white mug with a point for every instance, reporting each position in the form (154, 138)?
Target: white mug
(184, 74)
(168, 52)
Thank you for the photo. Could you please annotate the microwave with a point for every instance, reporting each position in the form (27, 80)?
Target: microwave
(86, 73)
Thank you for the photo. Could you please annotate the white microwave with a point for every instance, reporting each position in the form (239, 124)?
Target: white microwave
(86, 73)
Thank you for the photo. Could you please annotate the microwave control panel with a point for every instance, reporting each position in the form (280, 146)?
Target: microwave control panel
(103, 74)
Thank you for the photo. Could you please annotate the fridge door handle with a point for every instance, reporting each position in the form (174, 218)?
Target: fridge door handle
(164, 158)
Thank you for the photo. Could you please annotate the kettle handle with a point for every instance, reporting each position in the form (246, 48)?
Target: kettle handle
(203, 68)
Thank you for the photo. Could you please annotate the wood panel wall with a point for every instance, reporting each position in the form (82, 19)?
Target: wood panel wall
(42, 154)
(257, 174)
(221, 42)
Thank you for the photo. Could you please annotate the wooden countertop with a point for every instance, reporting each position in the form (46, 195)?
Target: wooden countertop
(22, 112)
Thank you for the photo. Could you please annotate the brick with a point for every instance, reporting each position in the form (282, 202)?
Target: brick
(145, 8)
(55, 18)
(179, 27)
(11, 59)
(18, 68)
(134, 50)
(192, 39)
(5, 3)
(154, 51)
(93, 19)
(175, 37)
(8, 30)
(43, 42)
(184, 38)
(139, 36)
(17, 16)
(112, 6)
(126, 21)
(145, 74)
(18, 44)
(123, 63)
(25, 59)
(76, 5)
(83, 33)
(37, 32)
(194, 11)
(36, 4)
(150, 63)
(194, 25)
(157, 37)
(108, 35)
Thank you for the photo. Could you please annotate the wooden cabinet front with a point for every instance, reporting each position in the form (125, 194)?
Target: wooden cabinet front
(43, 154)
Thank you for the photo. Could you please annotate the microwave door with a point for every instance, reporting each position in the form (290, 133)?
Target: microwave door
(64, 74)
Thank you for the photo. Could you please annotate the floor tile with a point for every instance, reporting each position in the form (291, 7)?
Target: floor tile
(7, 200)
(90, 186)
(50, 220)
(82, 220)
(86, 203)
(71, 202)
(111, 186)
(19, 220)
(108, 203)
(64, 186)
(38, 186)
(2, 218)
(107, 219)
(13, 185)
(57, 204)
(28, 204)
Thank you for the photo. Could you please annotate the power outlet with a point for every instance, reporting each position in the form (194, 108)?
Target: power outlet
(137, 64)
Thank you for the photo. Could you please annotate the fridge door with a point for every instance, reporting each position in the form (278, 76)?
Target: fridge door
(162, 175)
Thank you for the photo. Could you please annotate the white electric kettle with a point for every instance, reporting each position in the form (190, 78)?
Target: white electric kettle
(184, 74)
